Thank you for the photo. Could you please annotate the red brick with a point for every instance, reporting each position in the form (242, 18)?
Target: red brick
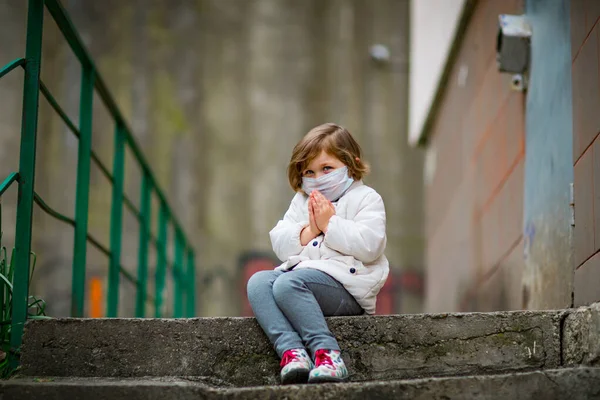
(491, 167)
(471, 135)
(453, 150)
(586, 98)
(596, 191)
(482, 183)
(490, 295)
(515, 127)
(489, 238)
(478, 50)
(499, 128)
(587, 282)
(502, 221)
(500, 288)
(584, 209)
(490, 103)
(578, 30)
(469, 132)
(513, 266)
(495, 163)
(447, 141)
(461, 96)
(592, 13)
(468, 58)
(511, 203)
(449, 252)
(433, 191)
(489, 98)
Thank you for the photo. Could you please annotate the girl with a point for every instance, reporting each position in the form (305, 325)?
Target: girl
(331, 241)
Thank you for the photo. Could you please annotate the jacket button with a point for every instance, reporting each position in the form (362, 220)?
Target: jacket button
(315, 243)
(352, 270)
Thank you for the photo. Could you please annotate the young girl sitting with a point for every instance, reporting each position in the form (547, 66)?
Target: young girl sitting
(331, 241)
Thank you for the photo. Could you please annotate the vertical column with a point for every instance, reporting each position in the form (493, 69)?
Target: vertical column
(142, 275)
(161, 265)
(116, 222)
(33, 55)
(560, 123)
(191, 284)
(178, 276)
(83, 190)
(2, 271)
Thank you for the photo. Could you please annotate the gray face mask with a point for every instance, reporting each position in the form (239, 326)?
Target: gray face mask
(332, 185)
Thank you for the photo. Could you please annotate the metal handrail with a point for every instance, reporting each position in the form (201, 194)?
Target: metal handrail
(19, 62)
(183, 275)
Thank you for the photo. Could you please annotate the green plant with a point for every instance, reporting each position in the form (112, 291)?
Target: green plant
(36, 308)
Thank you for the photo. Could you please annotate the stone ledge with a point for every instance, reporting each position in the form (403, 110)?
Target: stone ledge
(236, 350)
(581, 336)
(559, 384)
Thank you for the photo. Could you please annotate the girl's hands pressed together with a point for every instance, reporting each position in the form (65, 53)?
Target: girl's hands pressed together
(311, 231)
(312, 222)
(322, 209)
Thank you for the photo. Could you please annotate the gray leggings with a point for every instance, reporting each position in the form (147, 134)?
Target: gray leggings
(291, 307)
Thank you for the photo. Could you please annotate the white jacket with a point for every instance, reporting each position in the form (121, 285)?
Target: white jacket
(352, 249)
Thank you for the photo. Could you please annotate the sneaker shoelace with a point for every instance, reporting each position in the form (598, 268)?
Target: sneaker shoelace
(322, 358)
(288, 357)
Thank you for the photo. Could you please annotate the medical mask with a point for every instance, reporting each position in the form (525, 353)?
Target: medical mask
(332, 185)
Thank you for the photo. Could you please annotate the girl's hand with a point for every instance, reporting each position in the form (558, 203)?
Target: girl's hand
(311, 231)
(311, 218)
(323, 210)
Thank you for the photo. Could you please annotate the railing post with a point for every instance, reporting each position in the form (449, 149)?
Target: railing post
(161, 260)
(178, 275)
(116, 222)
(191, 284)
(3, 303)
(83, 190)
(31, 95)
(145, 224)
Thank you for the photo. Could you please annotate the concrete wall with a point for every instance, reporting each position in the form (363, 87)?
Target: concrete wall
(585, 42)
(474, 178)
(217, 93)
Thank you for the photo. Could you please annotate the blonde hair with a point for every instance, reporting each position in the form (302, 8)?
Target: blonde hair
(336, 141)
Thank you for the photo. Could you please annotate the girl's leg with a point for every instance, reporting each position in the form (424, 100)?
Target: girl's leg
(277, 327)
(306, 296)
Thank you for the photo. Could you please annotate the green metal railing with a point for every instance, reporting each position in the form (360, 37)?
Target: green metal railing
(183, 275)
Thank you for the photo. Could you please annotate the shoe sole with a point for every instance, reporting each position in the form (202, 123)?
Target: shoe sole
(296, 376)
(326, 379)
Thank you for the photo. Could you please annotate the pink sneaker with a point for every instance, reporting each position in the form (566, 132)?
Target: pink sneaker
(296, 365)
(329, 367)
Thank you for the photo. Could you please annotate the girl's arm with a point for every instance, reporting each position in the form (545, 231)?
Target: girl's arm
(363, 237)
(285, 237)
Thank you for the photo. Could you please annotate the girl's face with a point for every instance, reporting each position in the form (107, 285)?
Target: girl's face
(322, 164)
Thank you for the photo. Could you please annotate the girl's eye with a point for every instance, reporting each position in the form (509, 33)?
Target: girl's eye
(327, 168)
(308, 173)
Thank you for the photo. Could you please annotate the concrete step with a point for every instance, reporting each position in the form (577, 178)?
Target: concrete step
(557, 384)
(236, 351)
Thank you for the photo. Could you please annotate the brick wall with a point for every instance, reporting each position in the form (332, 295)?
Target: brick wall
(585, 41)
(474, 192)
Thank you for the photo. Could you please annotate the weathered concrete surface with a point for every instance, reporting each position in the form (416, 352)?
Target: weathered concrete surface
(574, 384)
(581, 336)
(237, 351)
(217, 126)
(102, 389)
